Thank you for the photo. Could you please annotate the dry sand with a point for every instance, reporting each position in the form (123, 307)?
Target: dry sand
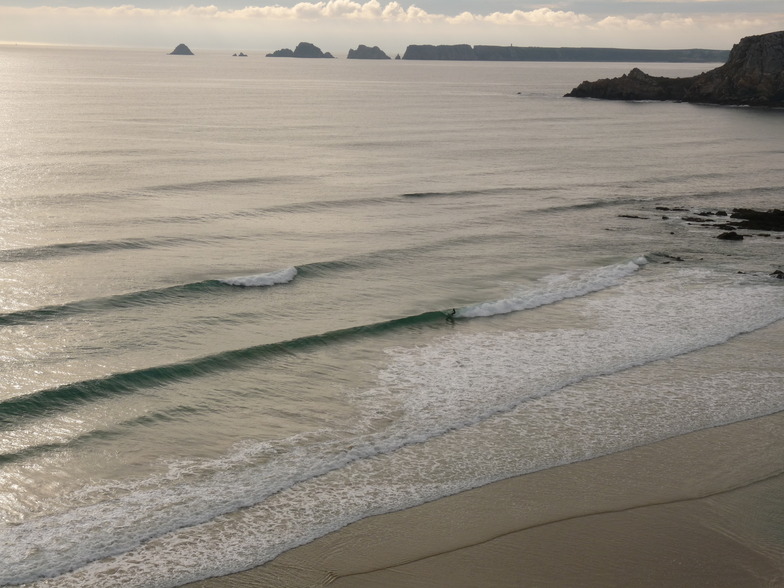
(703, 509)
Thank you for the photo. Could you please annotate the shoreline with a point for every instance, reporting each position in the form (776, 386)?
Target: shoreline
(701, 509)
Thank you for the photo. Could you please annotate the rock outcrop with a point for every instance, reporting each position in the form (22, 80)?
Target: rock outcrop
(304, 50)
(753, 76)
(512, 53)
(181, 49)
(281, 53)
(365, 52)
(759, 220)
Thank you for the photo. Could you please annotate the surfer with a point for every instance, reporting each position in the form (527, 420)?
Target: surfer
(450, 316)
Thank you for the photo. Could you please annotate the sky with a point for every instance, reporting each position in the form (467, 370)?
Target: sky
(339, 25)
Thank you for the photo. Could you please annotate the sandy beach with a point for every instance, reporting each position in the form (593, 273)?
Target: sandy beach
(703, 509)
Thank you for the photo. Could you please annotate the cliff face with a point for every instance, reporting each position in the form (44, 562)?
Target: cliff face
(512, 53)
(753, 75)
(365, 52)
(440, 52)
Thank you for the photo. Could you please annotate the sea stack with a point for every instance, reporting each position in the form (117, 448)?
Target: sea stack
(181, 49)
(752, 76)
(303, 50)
(365, 52)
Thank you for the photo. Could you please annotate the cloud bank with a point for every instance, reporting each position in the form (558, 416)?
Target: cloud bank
(349, 22)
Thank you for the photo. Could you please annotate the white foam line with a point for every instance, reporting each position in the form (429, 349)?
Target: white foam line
(269, 279)
(555, 289)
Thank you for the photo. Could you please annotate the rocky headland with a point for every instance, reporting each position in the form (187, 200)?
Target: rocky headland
(365, 52)
(512, 53)
(752, 76)
(181, 49)
(303, 50)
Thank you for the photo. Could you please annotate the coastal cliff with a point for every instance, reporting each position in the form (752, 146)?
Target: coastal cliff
(440, 52)
(752, 76)
(512, 53)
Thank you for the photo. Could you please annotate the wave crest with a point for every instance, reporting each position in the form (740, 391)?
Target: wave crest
(555, 289)
(283, 276)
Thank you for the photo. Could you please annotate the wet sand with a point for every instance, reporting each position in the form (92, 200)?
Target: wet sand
(703, 509)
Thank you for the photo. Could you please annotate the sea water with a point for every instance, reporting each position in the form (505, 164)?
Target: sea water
(245, 302)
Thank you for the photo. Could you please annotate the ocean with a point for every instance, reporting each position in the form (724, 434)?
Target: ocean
(247, 301)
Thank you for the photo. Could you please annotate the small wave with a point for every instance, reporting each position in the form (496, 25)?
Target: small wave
(555, 289)
(283, 276)
(478, 192)
(86, 247)
(48, 401)
(51, 400)
(153, 296)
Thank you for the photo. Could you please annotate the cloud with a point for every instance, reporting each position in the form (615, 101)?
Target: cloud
(361, 21)
(647, 22)
(325, 10)
(540, 16)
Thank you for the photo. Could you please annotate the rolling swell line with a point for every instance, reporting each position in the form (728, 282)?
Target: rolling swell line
(46, 401)
(155, 190)
(143, 298)
(118, 301)
(102, 434)
(264, 211)
(50, 400)
(83, 247)
(42, 448)
(479, 192)
(177, 292)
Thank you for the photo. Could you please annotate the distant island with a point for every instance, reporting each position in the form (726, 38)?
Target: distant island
(365, 52)
(303, 50)
(511, 53)
(181, 49)
(752, 76)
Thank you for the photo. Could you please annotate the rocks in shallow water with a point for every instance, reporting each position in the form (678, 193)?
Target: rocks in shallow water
(743, 218)
(757, 220)
(778, 274)
(730, 236)
(753, 76)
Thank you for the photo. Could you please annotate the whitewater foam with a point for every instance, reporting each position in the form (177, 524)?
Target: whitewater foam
(556, 288)
(282, 276)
